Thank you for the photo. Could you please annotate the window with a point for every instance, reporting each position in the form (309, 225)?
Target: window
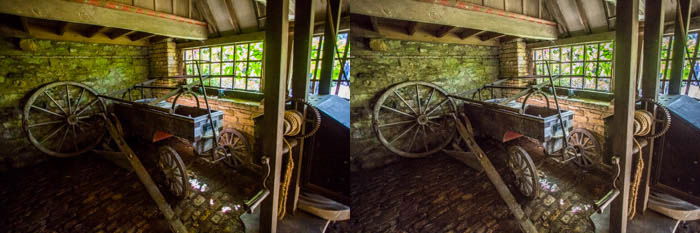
(236, 66)
(582, 66)
(689, 78)
(340, 84)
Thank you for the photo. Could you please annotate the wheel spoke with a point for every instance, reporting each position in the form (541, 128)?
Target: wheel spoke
(430, 97)
(80, 96)
(397, 111)
(45, 123)
(436, 106)
(51, 134)
(402, 133)
(60, 145)
(54, 101)
(397, 123)
(425, 136)
(75, 136)
(413, 139)
(68, 99)
(86, 106)
(47, 111)
(404, 101)
(418, 100)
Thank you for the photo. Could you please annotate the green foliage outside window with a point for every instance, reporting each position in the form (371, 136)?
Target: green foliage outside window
(235, 66)
(582, 66)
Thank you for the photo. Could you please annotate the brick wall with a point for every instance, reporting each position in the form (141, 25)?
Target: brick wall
(378, 64)
(105, 68)
(163, 62)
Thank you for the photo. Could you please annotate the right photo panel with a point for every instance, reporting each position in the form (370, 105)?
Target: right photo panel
(497, 116)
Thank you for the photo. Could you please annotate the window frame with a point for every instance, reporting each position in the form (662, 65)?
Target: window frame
(315, 64)
(234, 63)
(585, 61)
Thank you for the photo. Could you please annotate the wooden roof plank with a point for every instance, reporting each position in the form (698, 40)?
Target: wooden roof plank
(443, 31)
(108, 14)
(459, 14)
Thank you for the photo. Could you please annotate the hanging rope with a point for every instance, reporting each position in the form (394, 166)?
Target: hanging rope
(292, 126)
(642, 126)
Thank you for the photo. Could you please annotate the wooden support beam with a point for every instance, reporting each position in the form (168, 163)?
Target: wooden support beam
(93, 30)
(233, 17)
(25, 25)
(680, 37)
(444, 30)
(469, 32)
(627, 32)
(303, 36)
(205, 11)
(329, 44)
(140, 36)
(459, 14)
(374, 24)
(117, 32)
(506, 39)
(603, 36)
(411, 28)
(253, 36)
(554, 10)
(582, 17)
(108, 14)
(276, 34)
(62, 28)
(653, 37)
(489, 35)
(157, 39)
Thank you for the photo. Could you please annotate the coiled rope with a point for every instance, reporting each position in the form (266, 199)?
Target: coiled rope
(292, 126)
(642, 127)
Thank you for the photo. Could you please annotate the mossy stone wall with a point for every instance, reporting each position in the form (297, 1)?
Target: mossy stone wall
(103, 67)
(378, 64)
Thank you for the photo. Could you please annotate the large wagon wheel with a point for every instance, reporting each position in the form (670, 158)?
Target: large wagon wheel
(174, 170)
(584, 146)
(414, 119)
(235, 147)
(526, 177)
(64, 119)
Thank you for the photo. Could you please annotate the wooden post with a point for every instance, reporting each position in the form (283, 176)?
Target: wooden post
(330, 32)
(680, 37)
(303, 35)
(653, 36)
(276, 35)
(626, 37)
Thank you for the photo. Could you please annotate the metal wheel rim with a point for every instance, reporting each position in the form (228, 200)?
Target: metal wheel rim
(526, 177)
(176, 177)
(586, 147)
(69, 112)
(426, 106)
(236, 148)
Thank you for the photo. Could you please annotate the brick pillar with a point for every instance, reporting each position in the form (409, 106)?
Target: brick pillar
(164, 62)
(513, 62)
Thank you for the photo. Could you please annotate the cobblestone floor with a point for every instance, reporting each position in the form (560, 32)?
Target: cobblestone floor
(90, 194)
(441, 194)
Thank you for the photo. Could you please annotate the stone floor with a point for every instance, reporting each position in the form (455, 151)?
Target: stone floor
(440, 194)
(91, 194)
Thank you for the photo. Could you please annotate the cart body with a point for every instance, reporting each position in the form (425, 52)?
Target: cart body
(156, 123)
(504, 124)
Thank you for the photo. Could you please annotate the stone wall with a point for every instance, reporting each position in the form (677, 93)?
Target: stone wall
(103, 67)
(378, 64)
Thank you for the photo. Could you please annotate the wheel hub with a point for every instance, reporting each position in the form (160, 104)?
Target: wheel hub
(422, 119)
(72, 119)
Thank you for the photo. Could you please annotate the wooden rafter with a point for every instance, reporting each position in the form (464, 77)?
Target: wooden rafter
(93, 30)
(117, 32)
(157, 39)
(506, 39)
(489, 35)
(62, 28)
(233, 18)
(411, 28)
(204, 10)
(554, 10)
(467, 32)
(443, 31)
(140, 36)
(374, 24)
(583, 18)
(24, 24)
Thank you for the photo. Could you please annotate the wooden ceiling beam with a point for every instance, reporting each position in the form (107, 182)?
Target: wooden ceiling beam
(506, 39)
(443, 31)
(553, 8)
(104, 13)
(411, 28)
(25, 25)
(459, 14)
(115, 33)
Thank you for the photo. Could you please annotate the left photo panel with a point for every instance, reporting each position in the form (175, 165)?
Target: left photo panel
(174, 116)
